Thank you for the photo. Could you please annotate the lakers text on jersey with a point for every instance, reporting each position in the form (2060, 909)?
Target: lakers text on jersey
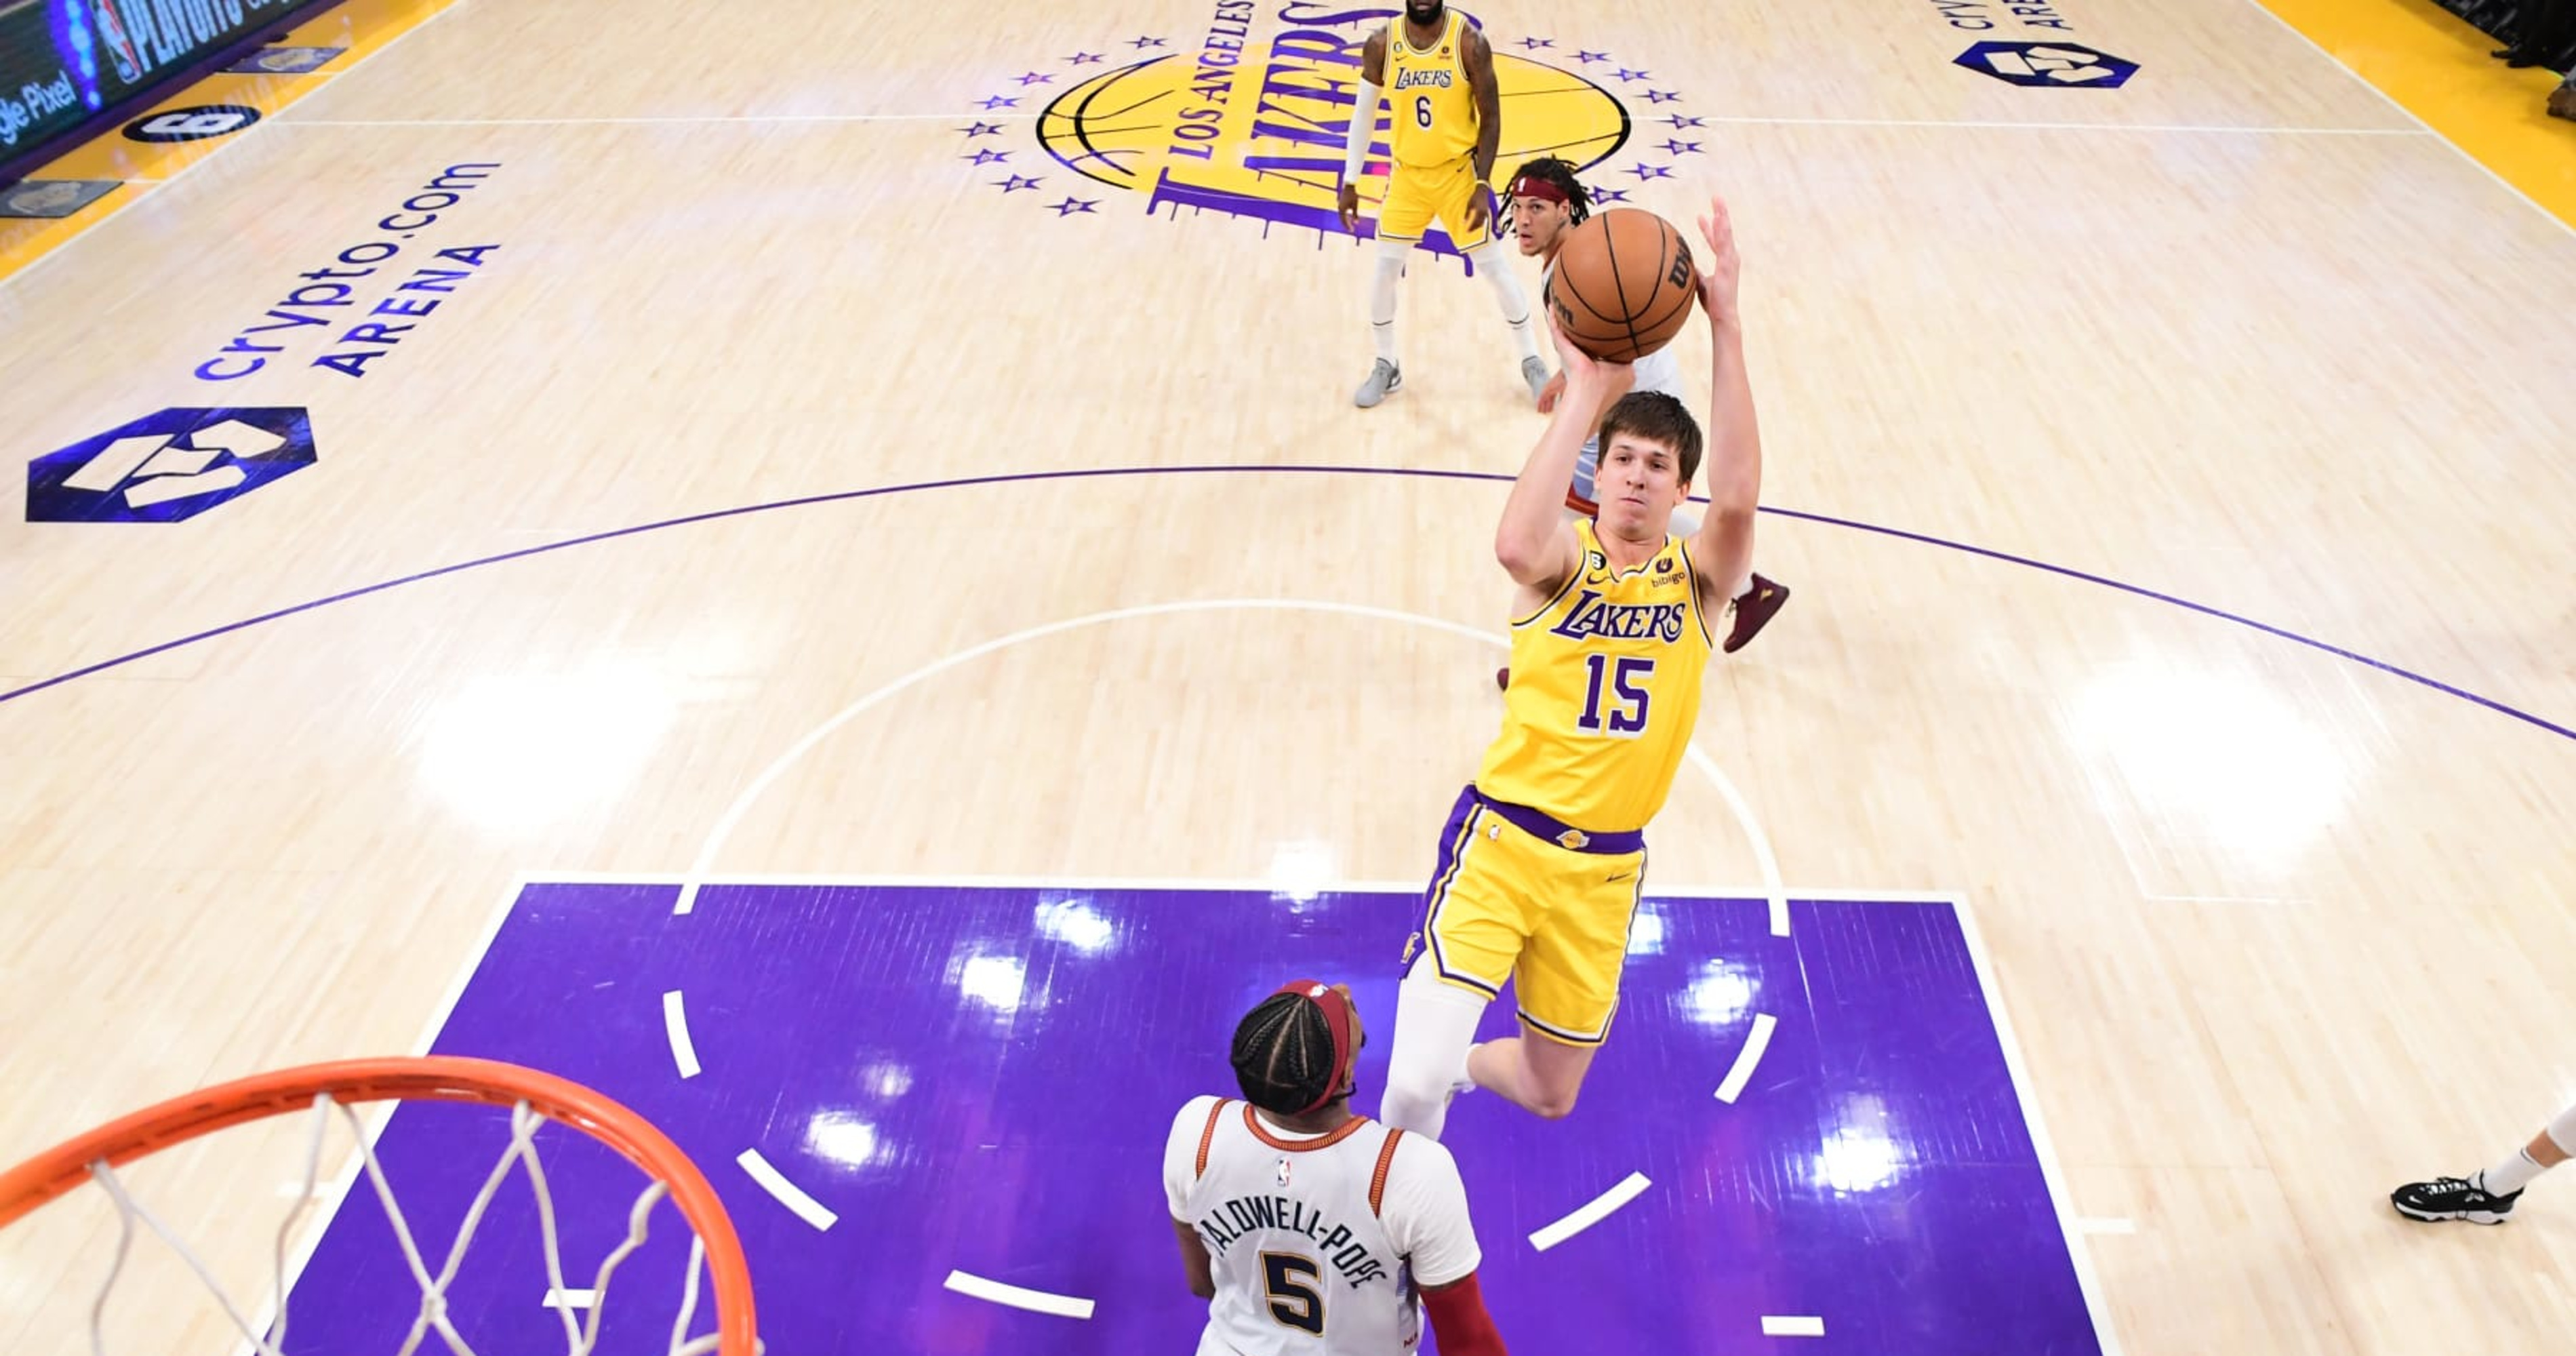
(1605, 692)
(1434, 104)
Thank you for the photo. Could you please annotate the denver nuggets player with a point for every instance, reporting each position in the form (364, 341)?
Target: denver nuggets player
(1448, 121)
(1544, 856)
(1306, 1228)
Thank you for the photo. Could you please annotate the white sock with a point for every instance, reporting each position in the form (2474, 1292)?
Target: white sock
(1390, 267)
(2562, 1131)
(1742, 586)
(1489, 261)
(2509, 1176)
(1435, 1026)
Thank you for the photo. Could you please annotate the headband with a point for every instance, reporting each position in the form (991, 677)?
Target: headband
(1337, 1016)
(1531, 186)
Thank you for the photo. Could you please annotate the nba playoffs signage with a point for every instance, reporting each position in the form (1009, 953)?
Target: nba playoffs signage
(2045, 56)
(1244, 114)
(63, 60)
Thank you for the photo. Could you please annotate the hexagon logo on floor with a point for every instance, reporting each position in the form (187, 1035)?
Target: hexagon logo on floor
(2049, 65)
(168, 467)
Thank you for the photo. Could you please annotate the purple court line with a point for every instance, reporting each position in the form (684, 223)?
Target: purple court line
(2203, 608)
(1021, 477)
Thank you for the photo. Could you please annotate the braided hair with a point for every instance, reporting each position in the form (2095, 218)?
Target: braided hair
(1551, 170)
(1283, 1054)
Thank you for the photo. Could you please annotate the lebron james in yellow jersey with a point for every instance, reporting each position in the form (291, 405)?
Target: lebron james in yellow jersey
(1445, 122)
(1544, 857)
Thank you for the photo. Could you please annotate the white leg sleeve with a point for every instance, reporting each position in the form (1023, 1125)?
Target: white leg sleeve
(1497, 271)
(1390, 269)
(1434, 1025)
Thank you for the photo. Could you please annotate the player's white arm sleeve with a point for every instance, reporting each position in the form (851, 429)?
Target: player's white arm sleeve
(1363, 126)
(1181, 1153)
(1425, 1213)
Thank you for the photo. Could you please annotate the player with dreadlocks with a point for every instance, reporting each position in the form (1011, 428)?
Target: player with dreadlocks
(1545, 202)
(1305, 1227)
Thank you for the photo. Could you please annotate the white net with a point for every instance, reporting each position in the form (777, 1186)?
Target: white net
(269, 1337)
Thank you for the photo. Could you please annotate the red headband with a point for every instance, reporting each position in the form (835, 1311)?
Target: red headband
(1531, 186)
(1337, 1016)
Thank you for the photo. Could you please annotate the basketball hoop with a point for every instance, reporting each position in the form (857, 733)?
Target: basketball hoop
(534, 1099)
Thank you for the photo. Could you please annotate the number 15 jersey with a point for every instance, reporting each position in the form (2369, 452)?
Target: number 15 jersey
(1605, 692)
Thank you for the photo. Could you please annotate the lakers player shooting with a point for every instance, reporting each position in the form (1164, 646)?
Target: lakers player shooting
(1545, 201)
(1438, 73)
(1305, 1227)
(1544, 855)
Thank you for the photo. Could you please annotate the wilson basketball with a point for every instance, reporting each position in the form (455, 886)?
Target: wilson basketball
(1622, 285)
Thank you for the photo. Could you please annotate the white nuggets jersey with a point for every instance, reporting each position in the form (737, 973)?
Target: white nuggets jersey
(1306, 1235)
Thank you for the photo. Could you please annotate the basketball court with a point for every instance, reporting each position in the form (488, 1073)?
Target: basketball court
(812, 568)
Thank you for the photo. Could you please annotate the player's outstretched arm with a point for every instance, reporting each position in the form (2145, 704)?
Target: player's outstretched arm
(1363, 128)
(1724, 549)
(1535, 544)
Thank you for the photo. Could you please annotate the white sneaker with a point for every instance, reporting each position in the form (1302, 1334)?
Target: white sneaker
(1384, 380)
(1534, 371)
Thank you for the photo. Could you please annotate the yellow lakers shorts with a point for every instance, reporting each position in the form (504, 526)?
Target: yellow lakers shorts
(1417, 196)
(1519, 896)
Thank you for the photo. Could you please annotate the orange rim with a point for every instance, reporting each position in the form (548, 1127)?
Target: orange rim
(430, 1078)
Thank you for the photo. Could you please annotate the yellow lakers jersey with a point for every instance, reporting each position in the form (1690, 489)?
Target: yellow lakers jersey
(1426, 90)
(1605, 690)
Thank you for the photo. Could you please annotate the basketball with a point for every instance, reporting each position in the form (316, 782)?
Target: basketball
(1622, 285)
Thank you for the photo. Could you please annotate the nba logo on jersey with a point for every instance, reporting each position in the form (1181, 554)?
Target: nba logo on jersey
(1283, 1174)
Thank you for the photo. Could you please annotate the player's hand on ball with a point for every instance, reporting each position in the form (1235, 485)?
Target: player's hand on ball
(1717, 287)
(1588, 381)
(1617, 379)
(1351, 208)
(1574, 366)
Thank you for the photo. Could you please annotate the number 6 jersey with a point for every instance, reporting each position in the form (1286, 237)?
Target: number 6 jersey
(1308, 1235)
(1427, 92)
(1605, 690)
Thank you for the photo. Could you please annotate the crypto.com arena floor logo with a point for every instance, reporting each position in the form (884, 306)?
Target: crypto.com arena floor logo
(1249, 119)
(2048, 65)
(167, 467)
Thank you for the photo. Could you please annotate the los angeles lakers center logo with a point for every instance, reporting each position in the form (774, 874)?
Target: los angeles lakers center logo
(1252, 120)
